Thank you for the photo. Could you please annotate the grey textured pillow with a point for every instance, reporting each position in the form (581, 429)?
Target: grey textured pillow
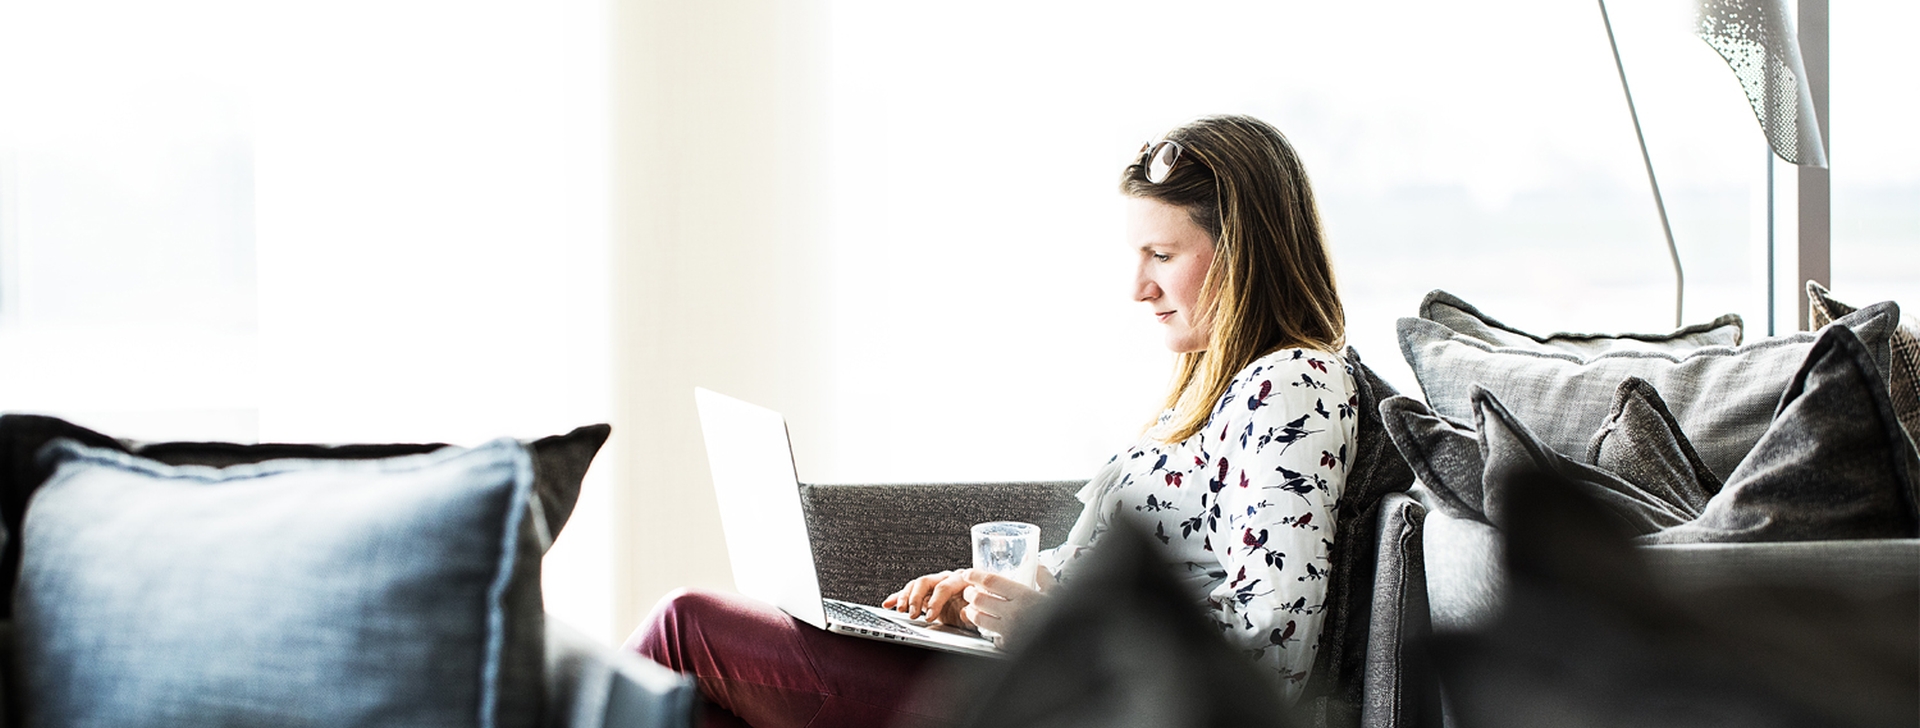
(1444, 454)
(1723, 397)
(1642, 443)
(1903, 370)
(1513, 452)
(402, 591)
(1639, 458)
(1834, 464)
(1447, 310)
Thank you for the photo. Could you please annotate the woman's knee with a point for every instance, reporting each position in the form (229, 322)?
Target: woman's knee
(676, 612)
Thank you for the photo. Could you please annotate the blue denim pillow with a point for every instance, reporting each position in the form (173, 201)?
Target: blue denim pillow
(402, 591)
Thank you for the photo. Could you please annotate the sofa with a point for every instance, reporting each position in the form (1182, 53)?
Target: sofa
(1573, 529)
(193, 583)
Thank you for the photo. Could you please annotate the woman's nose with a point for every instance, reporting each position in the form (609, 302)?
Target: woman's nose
(1144, 289)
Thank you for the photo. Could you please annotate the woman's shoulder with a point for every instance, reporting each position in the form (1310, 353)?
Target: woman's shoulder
(1307, 375)
(1311, 363)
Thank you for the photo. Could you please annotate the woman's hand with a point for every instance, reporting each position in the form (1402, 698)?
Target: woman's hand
(934, 597)
(996, 602)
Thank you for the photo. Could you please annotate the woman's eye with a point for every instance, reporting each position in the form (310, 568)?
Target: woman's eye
(1162, 257)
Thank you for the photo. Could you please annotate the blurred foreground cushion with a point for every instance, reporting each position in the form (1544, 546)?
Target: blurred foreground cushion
(559, 464)
(1121, 644)
(1596, 632)
(399, 591)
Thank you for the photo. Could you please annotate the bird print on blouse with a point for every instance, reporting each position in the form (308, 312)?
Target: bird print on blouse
(1245, 506)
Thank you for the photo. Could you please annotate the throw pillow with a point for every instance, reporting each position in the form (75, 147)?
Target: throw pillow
(1464, 467)
(1903, 370)
(1447, 310)
(1511, 450)
(287, 593)
(1834, 464)
(1723, 397)
(1642, 443)
(1121, 644)
(559, 463)
(1444, 453)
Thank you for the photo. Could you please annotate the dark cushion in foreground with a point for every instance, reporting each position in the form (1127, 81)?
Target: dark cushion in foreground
(400, 591)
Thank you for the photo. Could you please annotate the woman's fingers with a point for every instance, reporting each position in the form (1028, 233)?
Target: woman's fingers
(912, 598)
(941, 603)
(996, 584)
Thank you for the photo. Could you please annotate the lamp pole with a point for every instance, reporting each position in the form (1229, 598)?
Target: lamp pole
(1679, 277)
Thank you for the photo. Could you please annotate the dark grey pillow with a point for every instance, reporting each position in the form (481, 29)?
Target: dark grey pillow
(1511, 449)
(1122, 644)
(1642, 443)
(1903, 370)
(1444, 453)
(1463, 466)
(1723, 397)
(1447, 310)
(400, 591)
(1834, 464)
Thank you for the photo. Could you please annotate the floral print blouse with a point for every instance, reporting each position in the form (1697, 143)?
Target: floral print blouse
(1245, 505)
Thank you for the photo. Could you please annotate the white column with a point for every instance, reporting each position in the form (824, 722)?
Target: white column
(720, 265)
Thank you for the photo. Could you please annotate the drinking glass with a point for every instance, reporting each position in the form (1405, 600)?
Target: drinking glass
(1010, 549)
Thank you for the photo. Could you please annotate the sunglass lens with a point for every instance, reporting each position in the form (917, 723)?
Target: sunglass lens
(1161, 163)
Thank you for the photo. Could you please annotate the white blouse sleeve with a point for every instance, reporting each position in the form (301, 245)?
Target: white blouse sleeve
(1279, 444)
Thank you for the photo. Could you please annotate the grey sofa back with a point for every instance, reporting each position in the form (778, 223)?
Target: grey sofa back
(868, 540)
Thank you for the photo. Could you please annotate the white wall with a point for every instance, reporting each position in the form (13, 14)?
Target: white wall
(338, 222)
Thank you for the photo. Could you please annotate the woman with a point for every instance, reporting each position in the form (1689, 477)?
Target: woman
(1237, 477)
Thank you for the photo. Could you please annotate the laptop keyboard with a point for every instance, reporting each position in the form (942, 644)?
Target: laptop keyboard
(862, 618)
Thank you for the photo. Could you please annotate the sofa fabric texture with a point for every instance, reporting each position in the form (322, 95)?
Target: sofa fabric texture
(401, 591)
(1399, 687)
(1723, 397)
(1461, 317)
(868, 540)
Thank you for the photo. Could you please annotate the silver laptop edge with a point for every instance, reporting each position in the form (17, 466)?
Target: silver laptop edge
(754, 480)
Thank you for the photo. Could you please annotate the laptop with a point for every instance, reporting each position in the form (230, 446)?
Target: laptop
(766, 531)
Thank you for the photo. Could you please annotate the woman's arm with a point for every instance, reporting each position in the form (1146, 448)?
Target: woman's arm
(1278, 446)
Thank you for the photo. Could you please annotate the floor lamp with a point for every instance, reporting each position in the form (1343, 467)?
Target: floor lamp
(1756, 39)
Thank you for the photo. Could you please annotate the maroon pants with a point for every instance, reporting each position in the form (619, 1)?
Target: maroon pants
(758, 667)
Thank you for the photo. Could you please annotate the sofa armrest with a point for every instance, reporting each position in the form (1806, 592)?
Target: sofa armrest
(590, 685)
(870, 539)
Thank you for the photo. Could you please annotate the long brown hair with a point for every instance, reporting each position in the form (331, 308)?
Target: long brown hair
(1271, 283)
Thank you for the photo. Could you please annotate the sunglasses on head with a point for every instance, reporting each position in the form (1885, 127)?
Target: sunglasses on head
(1158, 159)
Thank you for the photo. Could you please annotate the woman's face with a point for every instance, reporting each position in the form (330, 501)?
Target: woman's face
(1174, 256)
